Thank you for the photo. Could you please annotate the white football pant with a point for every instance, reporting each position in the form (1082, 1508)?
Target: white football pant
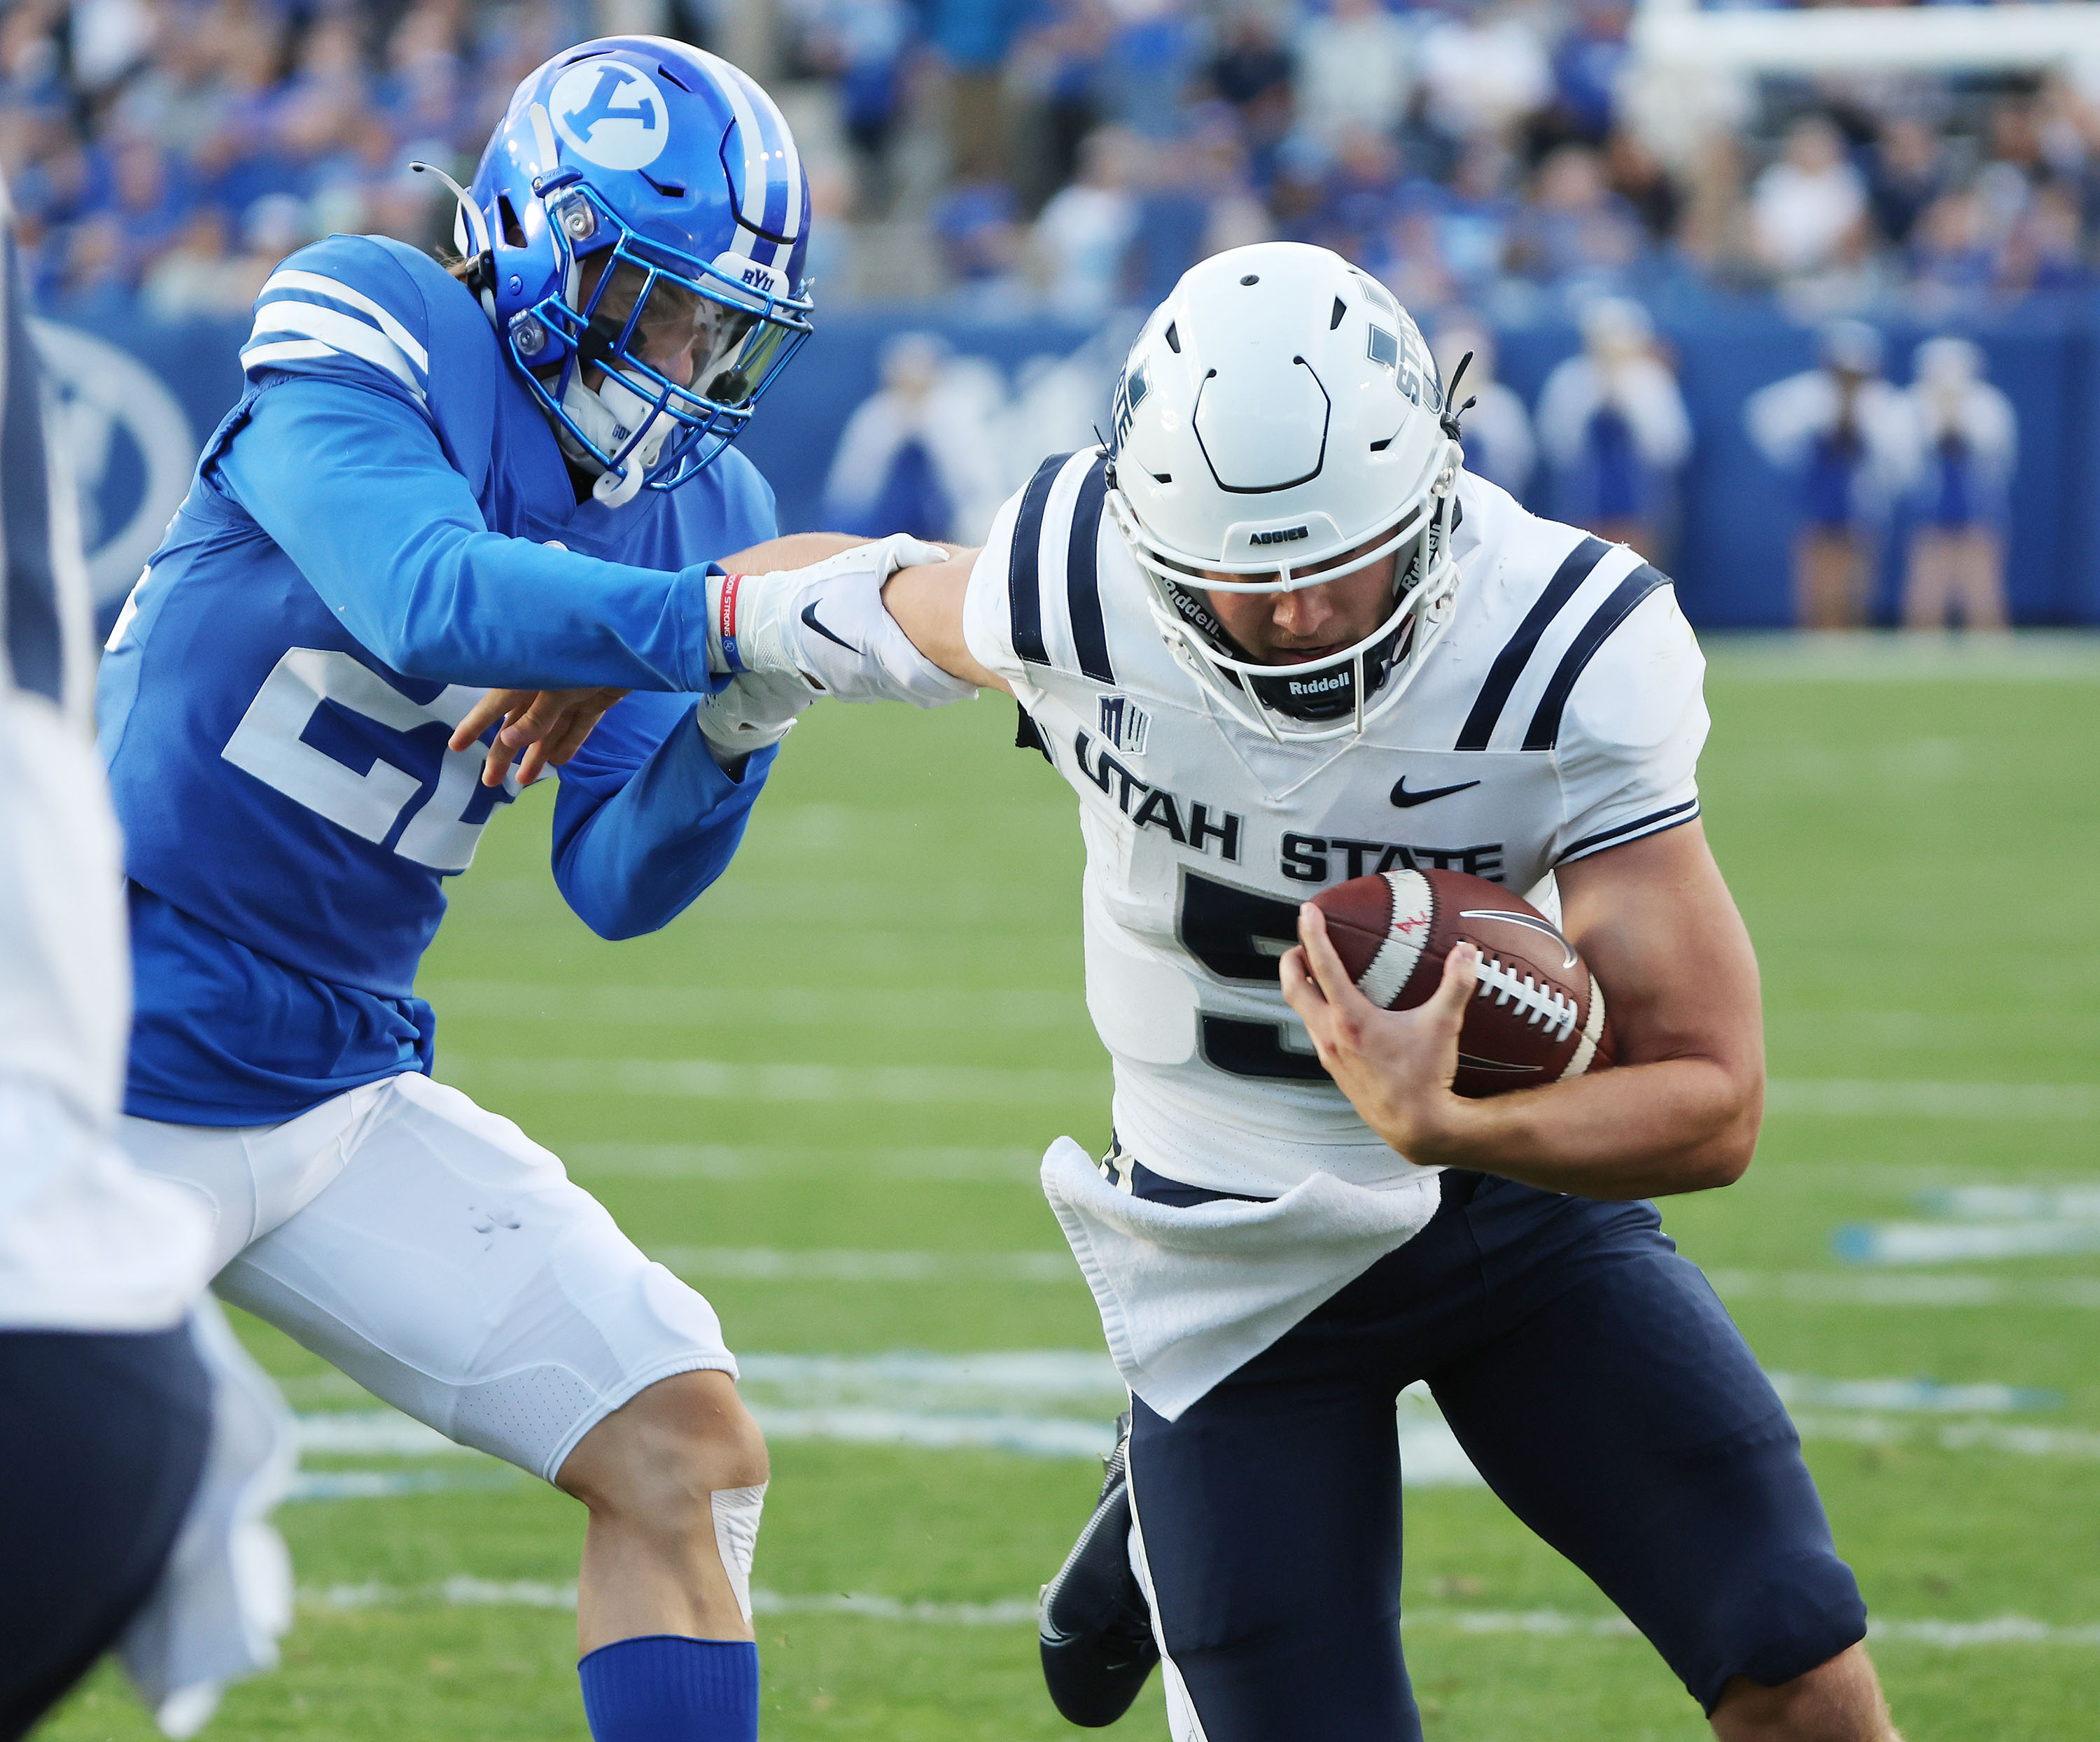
(441, 1258)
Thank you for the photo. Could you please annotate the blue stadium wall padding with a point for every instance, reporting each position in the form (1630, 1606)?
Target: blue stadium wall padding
(1731, 561)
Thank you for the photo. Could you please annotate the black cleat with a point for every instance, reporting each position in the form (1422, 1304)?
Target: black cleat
(1096, 1626)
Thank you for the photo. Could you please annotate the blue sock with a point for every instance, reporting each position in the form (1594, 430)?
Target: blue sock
(664, 1688)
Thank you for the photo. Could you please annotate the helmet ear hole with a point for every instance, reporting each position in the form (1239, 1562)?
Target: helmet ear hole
(514, 232)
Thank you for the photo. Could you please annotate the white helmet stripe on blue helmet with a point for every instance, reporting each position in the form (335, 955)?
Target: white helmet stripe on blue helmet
(772, 197)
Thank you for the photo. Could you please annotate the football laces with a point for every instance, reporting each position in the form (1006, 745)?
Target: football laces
(1546, 1004)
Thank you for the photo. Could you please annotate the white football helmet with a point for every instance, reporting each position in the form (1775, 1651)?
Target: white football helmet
(1280, 423)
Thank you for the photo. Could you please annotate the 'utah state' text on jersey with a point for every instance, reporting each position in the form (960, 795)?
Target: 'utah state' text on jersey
(383, 525)
(1559, 715)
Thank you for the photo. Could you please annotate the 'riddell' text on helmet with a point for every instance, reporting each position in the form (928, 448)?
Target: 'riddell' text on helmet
(1281, 424)
(641, 204)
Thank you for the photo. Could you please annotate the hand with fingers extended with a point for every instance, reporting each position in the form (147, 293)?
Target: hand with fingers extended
(547, 726)
(1396, 1066)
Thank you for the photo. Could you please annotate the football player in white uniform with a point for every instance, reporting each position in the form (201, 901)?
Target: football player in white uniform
(1275, 637)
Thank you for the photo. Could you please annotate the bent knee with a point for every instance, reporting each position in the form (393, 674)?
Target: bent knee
(661, 1454)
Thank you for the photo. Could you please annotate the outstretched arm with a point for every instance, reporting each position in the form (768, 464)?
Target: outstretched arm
(1657, 927)
(837, 627)
(549, 726)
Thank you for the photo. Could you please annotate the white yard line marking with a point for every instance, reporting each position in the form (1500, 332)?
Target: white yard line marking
(1960, 1242)
(744, 1007)
(696, 1161)
(1032, 1436)
(717, 1079)
(1874, 1098)
(465, 1591)
(391, 1484)
(1921, 1395)
(770, 1264)
(714, 1079)
(1955, 1436)
(385, 1433)
(1060, 1403)
(2013, 1203)
(1077, 1375)
(1811, 1288)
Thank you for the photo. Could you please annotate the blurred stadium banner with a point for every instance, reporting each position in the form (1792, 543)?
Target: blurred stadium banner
(139, 396)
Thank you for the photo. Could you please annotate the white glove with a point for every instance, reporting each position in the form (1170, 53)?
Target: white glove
(755, 710)
(826, 624)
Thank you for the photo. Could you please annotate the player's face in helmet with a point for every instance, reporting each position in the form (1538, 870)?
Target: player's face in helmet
(665, 334)
(1280, 405)
(1310, 620)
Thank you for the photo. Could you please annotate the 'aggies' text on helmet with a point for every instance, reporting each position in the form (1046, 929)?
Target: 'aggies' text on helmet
(638, 229)
(1279, 424)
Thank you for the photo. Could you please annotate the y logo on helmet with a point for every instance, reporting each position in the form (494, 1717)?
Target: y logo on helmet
(613, 115)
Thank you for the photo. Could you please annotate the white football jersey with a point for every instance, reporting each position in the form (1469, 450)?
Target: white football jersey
(1559, 715)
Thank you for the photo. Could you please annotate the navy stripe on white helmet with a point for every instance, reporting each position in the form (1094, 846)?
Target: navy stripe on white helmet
(1279, 424)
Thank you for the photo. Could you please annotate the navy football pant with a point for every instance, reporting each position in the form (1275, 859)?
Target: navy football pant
(1596, 1381)
(101, 1442)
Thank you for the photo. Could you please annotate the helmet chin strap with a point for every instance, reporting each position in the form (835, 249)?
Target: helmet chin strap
(481, 275)
(605, 420)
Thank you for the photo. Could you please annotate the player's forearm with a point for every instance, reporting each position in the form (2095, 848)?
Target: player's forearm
(483, 609)
(927, 603)
(790, 550)
(630, 863)
(1643, 1130)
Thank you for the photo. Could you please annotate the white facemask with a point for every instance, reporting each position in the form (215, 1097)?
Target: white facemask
(609, 415)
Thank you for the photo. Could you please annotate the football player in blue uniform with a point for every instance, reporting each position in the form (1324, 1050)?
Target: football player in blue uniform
(513, 471)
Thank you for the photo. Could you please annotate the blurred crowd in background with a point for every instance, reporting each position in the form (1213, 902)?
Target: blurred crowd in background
(1499, 164)
(1511, 157)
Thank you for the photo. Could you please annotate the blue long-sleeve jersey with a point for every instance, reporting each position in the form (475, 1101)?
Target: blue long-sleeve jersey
(382, 527)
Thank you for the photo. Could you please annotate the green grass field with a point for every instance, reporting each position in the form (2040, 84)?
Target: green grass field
(889, 977)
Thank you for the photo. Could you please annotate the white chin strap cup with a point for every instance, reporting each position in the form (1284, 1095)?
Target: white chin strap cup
(608, 416)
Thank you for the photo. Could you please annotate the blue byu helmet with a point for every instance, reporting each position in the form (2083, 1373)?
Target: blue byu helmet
(642, 212)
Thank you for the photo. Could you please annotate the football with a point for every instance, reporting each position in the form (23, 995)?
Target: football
(1537, 1015)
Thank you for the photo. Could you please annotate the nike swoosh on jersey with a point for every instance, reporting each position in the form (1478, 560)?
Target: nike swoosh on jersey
(810, 617)
(1408, 800)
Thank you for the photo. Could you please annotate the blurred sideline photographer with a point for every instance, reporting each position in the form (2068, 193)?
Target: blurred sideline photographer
(139, 1445)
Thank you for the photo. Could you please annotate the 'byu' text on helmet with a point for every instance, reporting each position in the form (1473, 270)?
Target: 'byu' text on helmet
(677, 171)
(1279, 424)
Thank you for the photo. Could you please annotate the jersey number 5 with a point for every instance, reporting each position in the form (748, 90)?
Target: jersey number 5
(1241, 936)
(270, 744)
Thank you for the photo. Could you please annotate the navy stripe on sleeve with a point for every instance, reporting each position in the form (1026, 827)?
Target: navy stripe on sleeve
(28, 603)
(1082, 578)
(1651, 824)
(1575, 568)
(1545, 730)
(1024, 578)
